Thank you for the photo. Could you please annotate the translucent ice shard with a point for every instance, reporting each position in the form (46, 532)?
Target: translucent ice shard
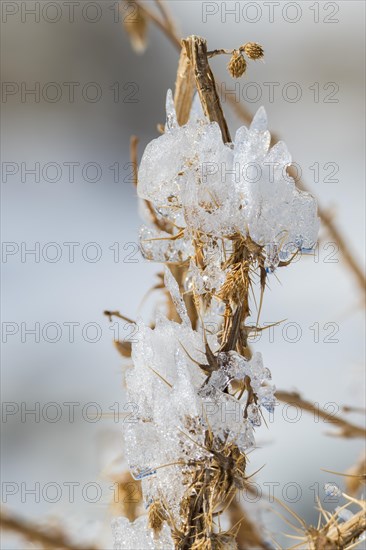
(172, 286)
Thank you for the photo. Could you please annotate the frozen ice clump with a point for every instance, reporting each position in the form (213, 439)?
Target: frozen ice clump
(159, 246)
(176, 402)
(137, 535)
(199, 183)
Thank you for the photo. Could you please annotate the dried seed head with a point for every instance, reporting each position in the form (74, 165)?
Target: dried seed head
(237, 65)
(136, 27)
(253, 50)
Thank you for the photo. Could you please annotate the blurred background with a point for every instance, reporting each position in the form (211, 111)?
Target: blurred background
(73, 92)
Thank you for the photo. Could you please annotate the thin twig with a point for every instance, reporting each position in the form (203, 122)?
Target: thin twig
(166, 15)
(196, 48)
(347, 428)
(111, 314)
(169, 32)
(248, 535)
(134, 140)
(34, 533)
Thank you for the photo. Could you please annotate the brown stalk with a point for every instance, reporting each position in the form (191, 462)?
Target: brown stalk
(36, 534)
(356, 477)
(168, 30)
(248, 536)
(134, 141)
(196, 48)
(348, 429)
(184, 88)
(111, 314)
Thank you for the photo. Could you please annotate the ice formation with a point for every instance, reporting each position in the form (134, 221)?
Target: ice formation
(199, 183)
(177, 404)
(138, 536)
(199, 403)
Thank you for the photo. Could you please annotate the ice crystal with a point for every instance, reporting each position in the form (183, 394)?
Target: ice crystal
(177, 402)
(332, 490)
(201, 184)
(138, 535)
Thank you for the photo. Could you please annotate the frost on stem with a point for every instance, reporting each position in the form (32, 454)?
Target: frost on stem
(230, 211)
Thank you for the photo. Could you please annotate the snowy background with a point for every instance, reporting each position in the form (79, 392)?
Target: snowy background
(322, 52)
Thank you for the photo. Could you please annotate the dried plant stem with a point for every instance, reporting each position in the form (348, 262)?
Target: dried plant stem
(339, 536)
(111, 314)
(248, 536)
(134, 141)
(168, 30)
(356, 477)
(184, 88)
(348, 429)
(196, 48)
(36, 534)
(344, 247)
(213, 53)
(166, 16)
(345, 533)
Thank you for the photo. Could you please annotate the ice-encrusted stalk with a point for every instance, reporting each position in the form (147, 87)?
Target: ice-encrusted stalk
(213, 236)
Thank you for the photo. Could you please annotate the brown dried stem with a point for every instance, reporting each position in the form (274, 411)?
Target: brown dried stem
(335, 535)
(166, 16)
(248, 536)
(184, 88)
(111, 314)
(167, 29)
(36, 534)
(348, 429)
(196, 48)
(134, 141)
(356, 477)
